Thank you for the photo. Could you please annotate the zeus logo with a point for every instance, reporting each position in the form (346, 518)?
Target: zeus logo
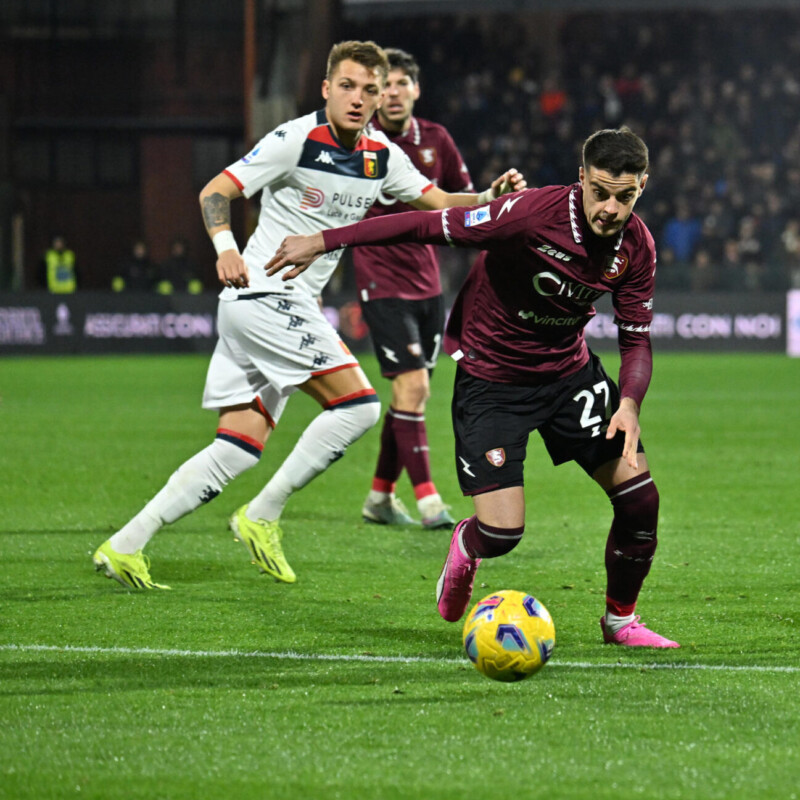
(508, 205)
(389, 354)
(550, 284)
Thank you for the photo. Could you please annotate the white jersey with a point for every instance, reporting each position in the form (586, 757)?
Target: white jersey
(309, 182)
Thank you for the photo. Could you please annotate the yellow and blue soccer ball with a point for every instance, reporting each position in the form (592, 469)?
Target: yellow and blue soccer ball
(509, 635)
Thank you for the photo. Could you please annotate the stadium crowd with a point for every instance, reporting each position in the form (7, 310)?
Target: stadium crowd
(715, 95)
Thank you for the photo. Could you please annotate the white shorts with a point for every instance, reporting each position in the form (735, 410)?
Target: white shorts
(267, 347)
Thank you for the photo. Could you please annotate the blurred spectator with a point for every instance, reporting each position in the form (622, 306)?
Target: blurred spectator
(682, 232)
(58, 273)
(178, 273)
(136, 272)
(731, 271)
(703, 275)
(670, 273)
(790, 239)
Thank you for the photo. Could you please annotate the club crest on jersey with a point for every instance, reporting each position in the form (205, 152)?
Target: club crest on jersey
(427, 155)
(370, 164)
(496, 457)
(617, 264)
(477, 216)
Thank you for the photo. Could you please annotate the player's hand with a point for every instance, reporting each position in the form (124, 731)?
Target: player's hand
(232, 271)
(509, 181)
(626, 418)
(299, 252)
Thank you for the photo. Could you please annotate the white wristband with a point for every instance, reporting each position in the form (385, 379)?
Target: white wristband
(486, 196)
(223, 241)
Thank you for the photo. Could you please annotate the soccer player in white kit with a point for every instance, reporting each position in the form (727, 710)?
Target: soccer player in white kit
(317, 171)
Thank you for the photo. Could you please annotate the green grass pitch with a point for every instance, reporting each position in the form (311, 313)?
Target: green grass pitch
(348, 684)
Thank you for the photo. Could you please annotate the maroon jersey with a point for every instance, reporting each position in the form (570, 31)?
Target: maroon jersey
(521, 314)
(410, 271)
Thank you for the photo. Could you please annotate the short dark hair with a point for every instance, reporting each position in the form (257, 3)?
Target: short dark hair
(399, 59)
(617, 151)
(368, 54)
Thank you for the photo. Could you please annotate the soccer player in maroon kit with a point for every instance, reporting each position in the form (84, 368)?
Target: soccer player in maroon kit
(517, 333)
(401, 301)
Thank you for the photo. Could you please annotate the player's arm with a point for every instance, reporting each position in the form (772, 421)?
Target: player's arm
(633, 304)
(299, 252)
(484, 226)
(215, 204)
(436, 198)
(636, 369)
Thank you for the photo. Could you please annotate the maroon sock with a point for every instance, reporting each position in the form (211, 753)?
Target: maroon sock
(389, 465)
(486, 541)
(411, 440)
(631, 542)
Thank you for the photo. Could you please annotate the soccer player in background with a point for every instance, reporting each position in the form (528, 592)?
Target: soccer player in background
(402, 303)
(316, 171)
(517, 334)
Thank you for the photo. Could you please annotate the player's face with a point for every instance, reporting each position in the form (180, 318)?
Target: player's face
(399, 97)
(353, 94)
(608, 200)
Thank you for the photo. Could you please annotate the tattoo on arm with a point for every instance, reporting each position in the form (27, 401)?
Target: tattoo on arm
(216, 211)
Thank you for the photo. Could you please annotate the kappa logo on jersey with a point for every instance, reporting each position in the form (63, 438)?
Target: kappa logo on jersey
(324, 158)
(427, 155)
(647, 305)
(312, 198)
(496, 457)
(477, 216)
(370, 164)
(616, 267)
(251, 155)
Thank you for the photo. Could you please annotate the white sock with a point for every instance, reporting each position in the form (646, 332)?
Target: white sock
(376, 498)
(429, 505)
(615, 623)
(323, 442)
(196, 481)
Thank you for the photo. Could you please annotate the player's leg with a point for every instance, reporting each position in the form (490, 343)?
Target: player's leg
(350, 408)
(406, 336)
(237, 447)
(244, 425)
(577, 432)
(429, 315)
(630, 548)
(491, 424)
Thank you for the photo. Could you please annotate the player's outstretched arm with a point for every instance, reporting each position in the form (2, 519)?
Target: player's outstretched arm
(435, 198)
(215, 203)
(299, 252)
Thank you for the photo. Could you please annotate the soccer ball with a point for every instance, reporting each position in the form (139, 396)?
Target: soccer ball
(509, 635)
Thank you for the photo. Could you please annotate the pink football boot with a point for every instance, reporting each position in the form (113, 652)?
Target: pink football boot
(635, 634)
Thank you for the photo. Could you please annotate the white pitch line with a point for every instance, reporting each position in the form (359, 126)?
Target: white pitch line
(368, 658)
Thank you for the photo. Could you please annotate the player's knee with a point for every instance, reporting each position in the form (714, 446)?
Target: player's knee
(357, 416)
(636, 505)
(490, 541)
(233, 453)
(411, 390)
